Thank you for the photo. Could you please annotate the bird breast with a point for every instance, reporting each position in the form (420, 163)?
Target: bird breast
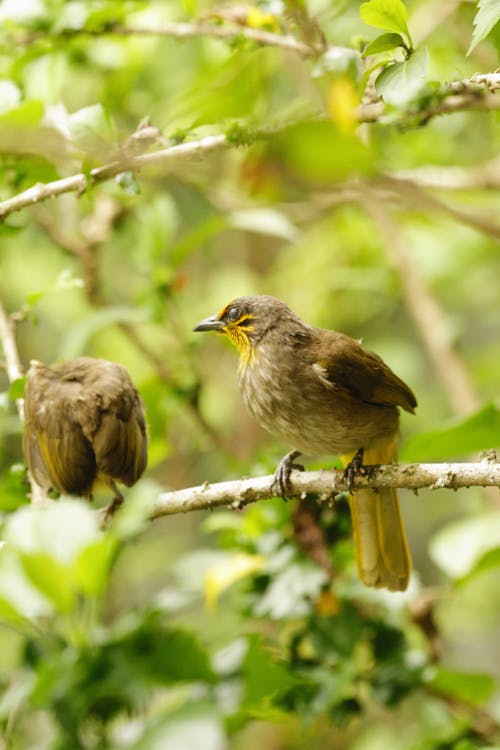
(287, 397)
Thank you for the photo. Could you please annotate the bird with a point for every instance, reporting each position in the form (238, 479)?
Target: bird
(84, 425)
(322, 392)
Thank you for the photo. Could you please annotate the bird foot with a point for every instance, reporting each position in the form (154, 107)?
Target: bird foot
(281, 480)
(115, 503)
(112, 508)
(354, 468)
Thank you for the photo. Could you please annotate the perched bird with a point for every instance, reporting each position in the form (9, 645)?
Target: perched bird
(322, 392)
(84, 423)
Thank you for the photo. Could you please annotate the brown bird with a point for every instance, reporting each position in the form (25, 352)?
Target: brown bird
(84, 424)
(322, 392)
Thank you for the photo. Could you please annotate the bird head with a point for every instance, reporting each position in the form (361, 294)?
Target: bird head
(247, 321)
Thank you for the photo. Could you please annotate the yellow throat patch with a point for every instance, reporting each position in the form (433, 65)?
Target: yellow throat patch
(238, 335)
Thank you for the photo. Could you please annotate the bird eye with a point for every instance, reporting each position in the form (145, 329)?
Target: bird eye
(233, 313)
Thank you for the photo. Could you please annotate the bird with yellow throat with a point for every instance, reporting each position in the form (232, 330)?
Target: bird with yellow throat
(321, 392)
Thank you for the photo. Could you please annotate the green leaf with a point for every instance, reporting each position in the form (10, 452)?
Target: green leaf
(8, 230)
(19, 598)
(60, 530)
(384, 43)
(10, 96)
(461, 546)
(318, 151)
(28, 114)
(161, 653)
(8, 613)
(401, 83)
(16, 388)
(93, 131)
(51, 578)
(477, 432)
(195, 724)
(291, 592)
(490, 559)
(471, 687)
(487, 16)
(340, 61)
(13, 488)
(77, 338)
(386, 14)
(266, 221)
(92, 566)
(128, 183)
(263, 676)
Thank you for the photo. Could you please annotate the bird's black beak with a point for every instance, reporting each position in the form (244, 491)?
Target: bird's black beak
(210, 324)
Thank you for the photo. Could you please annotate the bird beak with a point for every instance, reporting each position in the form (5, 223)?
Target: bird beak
(210, 324)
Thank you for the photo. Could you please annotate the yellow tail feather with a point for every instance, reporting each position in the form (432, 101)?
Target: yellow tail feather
(382, 551)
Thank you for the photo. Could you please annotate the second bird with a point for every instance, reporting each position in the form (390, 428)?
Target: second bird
(322, 392)
(84, 425)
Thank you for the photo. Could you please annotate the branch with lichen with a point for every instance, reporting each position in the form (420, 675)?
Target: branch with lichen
(478, 93)
(326, 484)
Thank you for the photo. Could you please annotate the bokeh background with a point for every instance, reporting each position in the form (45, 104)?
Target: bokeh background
(387, 231)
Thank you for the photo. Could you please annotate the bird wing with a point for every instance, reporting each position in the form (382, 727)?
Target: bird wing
(120, 440)
(110, 411)
(57, 452)
(343, 364)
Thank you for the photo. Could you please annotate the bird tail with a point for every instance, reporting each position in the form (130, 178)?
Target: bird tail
(382, 551)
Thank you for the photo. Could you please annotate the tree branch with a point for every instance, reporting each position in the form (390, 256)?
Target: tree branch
(14, 372)
(12, 362)
(228, 31)
(238, 493)
(185, 30)
(471, 93)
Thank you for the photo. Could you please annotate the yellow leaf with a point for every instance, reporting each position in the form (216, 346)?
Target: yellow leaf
(224, 573)
(327, 604)
(343, 102)
(257, 19)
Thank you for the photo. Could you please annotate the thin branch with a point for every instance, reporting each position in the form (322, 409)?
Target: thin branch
(181, 31)
(14, 372)
(238, 493)
(416, 196)
(474, 93)
(474, 97)
(229, 31)
(79, 183)
(12, 362)
(485, 176)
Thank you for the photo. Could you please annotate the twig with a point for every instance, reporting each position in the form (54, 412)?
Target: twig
(483, 177)
(180, 31)
(12, 362)
(80, 182)
(229, 31)
(14, 372)
(238, 493)
(470, 100)
(416, 196)
(473, 98)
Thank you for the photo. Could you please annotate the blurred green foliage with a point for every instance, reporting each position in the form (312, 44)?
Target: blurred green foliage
(106, 639)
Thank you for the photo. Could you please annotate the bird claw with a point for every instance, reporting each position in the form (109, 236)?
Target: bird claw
(116, 502)
(281, 480)
(354, 468)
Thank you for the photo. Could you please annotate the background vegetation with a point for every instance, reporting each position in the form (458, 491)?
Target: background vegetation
(376, 218)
